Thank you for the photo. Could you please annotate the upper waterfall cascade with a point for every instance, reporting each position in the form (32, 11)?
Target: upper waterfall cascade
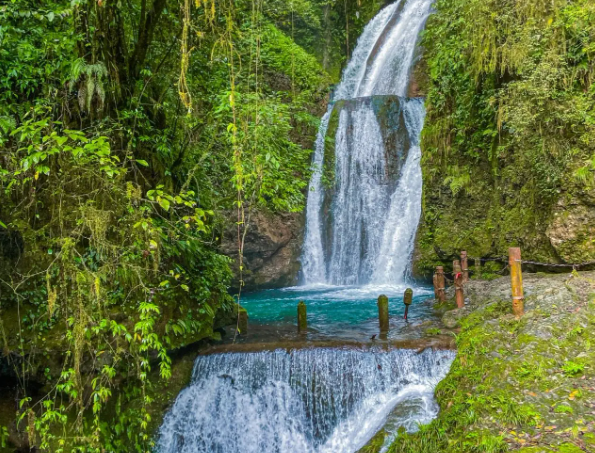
(362, 228)
(312, 400)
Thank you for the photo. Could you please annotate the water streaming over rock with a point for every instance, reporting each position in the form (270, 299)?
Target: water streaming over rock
(361, 226)
(362, 214)
(311, 400)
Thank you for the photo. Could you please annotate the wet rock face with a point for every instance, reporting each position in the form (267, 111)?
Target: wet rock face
(271, 250)
(418, 79)
(572, 230)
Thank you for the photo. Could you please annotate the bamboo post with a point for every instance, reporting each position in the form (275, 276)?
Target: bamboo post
(516, 280)
(458, 281)
(383, 313)
(441, 283)
(464, 267)
(302, 317)
(407, 300)
(242, 320)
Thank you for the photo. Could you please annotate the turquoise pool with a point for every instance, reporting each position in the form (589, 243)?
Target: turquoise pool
(334, 311)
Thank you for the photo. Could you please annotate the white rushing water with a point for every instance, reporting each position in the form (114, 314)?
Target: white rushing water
(311, 400)
(367, 233)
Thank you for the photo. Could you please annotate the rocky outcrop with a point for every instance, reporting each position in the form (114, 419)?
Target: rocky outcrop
(271, 251)
(418, 79)
(572, 230)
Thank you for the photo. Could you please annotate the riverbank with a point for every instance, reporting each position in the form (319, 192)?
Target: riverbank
(517, 384)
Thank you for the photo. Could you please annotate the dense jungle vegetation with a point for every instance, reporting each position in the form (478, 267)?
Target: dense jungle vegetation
(131, 133)
(509, 142)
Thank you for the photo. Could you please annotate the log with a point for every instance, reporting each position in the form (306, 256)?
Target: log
(458, 281)
(516, 280)
(464, 267)
(302, 317)
(383, 313)
(441, 283)
(407, 300)
(242, 320)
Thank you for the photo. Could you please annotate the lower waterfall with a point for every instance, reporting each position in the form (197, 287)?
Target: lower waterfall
(309, 400)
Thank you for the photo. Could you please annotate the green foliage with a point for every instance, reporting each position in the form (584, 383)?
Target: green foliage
(573, 368)
(108, 277)
(112, 192)
(509, 130)
(506, 388)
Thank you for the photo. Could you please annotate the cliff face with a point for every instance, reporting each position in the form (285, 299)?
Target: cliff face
(509, 140)
(271, 251)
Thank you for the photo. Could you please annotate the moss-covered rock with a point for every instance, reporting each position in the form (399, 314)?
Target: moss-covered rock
(507, 142)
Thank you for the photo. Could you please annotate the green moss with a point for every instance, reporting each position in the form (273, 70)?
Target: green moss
(569, 448)
(328, 169)
(563, 409)
(497, 173)
(375, 444)
(507, 384)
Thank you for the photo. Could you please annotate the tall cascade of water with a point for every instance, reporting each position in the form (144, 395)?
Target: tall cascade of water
(311, 400)
(361, 226)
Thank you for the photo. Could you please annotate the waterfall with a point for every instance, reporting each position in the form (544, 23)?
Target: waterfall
(362, 228)
(310, 400)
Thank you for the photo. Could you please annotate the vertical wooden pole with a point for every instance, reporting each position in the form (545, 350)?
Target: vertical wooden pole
(441, 283)
(383, 313)
(516, 280)
(464, 266)
(458, 281)
(436, 286)
(407, 300)
(242, 320)
(302, 317)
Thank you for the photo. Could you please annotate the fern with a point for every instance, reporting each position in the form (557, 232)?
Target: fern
(89, 78)
(457, 182)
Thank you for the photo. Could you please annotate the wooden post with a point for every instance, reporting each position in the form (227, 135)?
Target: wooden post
(302, 317)
(242, 320)
(458, 281)
(436, 286)
(516, 280)
(383, 313)
(464, 267)
(441, 283)
(407, 300)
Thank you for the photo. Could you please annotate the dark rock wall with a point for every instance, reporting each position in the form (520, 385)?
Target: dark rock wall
(272, 249)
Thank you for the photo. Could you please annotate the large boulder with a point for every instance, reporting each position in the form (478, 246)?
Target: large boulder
(272, 249)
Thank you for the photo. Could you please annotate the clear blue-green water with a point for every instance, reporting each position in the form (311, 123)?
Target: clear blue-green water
(334, 311)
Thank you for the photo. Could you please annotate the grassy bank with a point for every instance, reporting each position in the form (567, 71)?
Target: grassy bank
(518, 384)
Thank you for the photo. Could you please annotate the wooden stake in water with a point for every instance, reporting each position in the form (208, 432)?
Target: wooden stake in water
(435, 281)
(383, 313)
(242, 320)
(464, 266)
(302, 317)
(441, 283)
(516, 280)
(407, 300)
(458, 280)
